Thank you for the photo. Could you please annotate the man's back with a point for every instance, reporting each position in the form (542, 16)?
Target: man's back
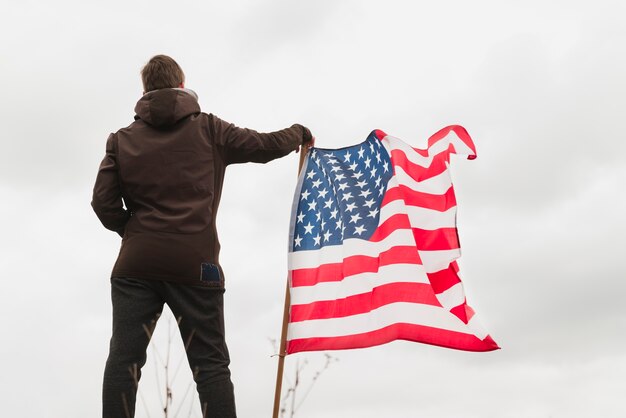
(169, 168)
(166, 165)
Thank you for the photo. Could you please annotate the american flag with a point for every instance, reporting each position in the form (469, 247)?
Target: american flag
(373, 244)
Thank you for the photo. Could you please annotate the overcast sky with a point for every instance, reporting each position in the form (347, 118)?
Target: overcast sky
(539, 85)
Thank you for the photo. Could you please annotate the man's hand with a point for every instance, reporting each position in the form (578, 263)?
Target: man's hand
(308, 140)
(307, 145)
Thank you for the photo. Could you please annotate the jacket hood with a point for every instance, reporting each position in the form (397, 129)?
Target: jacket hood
(165, 107)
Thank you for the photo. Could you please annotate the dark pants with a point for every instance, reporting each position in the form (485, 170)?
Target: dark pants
(137, 305)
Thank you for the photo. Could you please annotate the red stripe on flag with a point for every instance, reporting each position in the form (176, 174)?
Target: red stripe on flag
(438, 202)
(393, 223)
(438, 239)
(416, 171)
(398, 331)
(443, 279)
(335, 272)
(469, 312)
(460, 132)
(365, 302)
(460, 312)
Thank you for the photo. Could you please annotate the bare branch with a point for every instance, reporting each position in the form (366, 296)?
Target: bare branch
(329, 359)
(168, 390)
(181, 361)
(182, 401)
(156, 368)
(193, 398)
(125, 402)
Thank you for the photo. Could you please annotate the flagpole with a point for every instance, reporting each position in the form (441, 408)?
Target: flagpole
(283, 334)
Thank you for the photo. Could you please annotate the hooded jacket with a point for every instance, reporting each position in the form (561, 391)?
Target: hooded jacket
(160, 182)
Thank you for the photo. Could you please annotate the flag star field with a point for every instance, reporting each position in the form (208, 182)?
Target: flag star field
(341, 195)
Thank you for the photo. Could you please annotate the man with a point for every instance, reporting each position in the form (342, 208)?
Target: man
(159, 188)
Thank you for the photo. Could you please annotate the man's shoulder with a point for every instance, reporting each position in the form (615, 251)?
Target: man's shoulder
(128, 128)
(139, 124)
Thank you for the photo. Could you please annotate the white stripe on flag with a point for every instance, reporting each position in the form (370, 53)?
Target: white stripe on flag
(451, 137)
(401, 312)
(430, 219)
(452, 297)
(438, 147)
(359, 283)
(422, 218)
(391, 143)
(438, 184)
(438, 260)
(351, 246)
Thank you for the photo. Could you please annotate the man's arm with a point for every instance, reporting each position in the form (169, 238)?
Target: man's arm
(242, 145)
(107, 195)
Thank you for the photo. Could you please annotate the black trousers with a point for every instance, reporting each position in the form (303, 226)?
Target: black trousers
(137, 305)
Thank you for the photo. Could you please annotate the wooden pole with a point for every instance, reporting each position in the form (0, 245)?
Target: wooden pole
(283, 334)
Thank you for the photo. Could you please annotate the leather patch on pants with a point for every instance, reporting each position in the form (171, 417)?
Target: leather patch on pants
(210, 275)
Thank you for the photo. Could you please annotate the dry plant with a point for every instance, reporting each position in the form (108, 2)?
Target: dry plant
(296, 393)
(163, 365)
(290, 403)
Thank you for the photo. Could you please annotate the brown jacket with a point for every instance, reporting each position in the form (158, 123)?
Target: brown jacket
(167, 169)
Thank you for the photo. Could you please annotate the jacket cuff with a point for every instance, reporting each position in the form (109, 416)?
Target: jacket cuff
(306, 133)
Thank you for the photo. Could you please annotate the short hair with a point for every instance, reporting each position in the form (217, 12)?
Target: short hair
(161, 72)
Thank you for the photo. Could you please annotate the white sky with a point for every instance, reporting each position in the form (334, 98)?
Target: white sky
(539, 85)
